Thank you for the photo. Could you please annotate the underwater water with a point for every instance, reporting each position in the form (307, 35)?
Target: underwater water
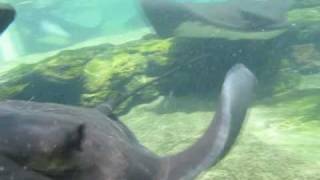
(160, 65)
(50, 25)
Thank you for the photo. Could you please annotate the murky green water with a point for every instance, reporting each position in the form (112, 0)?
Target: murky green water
(86, 52)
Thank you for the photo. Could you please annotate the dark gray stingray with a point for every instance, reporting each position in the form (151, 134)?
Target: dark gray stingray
(7, 15)
(43, 141)
(166, 16)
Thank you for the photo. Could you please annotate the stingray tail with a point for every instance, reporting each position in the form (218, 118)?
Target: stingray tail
(236, 96)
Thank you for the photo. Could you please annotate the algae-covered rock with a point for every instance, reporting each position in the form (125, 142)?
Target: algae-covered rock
(124, 69)
(92, 75)
(54, 79)
(89, 76)
(13, 81)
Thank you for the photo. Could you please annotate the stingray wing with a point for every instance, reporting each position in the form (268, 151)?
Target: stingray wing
(264, 14)
(217, 14)
(7, 15)
(13, 171)
(167, 16)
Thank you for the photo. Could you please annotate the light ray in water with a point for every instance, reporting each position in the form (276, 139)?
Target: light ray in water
(7, 48)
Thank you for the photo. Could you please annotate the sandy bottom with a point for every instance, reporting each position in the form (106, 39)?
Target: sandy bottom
(280, 140)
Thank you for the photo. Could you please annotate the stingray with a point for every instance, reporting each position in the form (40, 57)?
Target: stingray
(7, 15)
(169, 18)
(46, 141)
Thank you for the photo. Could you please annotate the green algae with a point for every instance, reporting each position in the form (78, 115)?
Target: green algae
(304, 15)
(65, 66)
(15, 80)
(97, 73)
(17, 73)
(8, 91)
(101, 72)
(123, 70)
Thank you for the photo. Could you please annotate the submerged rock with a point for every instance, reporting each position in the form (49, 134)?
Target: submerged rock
(92, 75)
(87, 76)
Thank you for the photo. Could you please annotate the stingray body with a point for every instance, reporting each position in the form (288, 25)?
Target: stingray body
(7, 15)
(168, 18)
(44, 141)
